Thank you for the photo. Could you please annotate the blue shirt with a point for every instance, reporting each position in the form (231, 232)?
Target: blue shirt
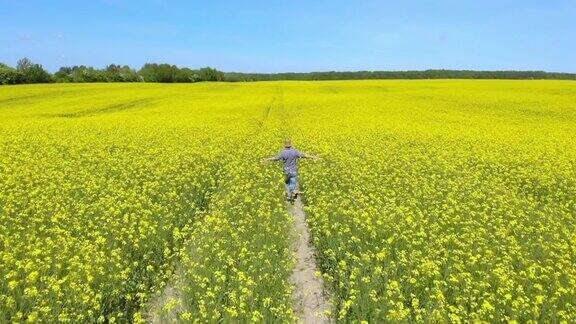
(290, 158)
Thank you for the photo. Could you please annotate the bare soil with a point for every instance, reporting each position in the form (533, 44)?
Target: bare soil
(312, 303)
(156, 312)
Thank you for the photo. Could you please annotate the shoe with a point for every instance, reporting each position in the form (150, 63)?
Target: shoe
(295, 194)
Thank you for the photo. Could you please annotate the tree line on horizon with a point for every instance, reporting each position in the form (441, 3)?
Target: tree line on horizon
(383, 75)
(27, 71)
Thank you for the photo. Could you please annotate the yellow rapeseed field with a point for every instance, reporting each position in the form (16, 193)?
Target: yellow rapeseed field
(435, 200)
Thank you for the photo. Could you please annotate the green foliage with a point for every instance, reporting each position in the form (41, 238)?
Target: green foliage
(186, 75)
(23, 64)
(166, 73)
(64, 74)
(9, 75)
(153, 72)
(31, 72)
(117, 73)
(80, 74)
(370, 75)
(210, 74)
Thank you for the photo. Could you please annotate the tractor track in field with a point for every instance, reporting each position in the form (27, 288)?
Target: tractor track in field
(311, 301)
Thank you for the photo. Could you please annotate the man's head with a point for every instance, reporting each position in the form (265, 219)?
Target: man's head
(287, 143)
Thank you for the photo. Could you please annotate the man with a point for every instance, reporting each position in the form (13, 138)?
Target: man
(289, 156)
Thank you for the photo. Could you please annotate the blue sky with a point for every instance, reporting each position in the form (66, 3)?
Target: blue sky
(280, 36)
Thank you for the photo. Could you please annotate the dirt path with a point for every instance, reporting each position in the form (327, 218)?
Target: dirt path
(171, 294)
(310, 299)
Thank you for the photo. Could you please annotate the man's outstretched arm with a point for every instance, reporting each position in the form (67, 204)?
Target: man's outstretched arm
(308, 156)
(271, 158)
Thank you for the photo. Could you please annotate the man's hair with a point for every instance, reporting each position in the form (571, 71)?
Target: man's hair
(287, 142)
